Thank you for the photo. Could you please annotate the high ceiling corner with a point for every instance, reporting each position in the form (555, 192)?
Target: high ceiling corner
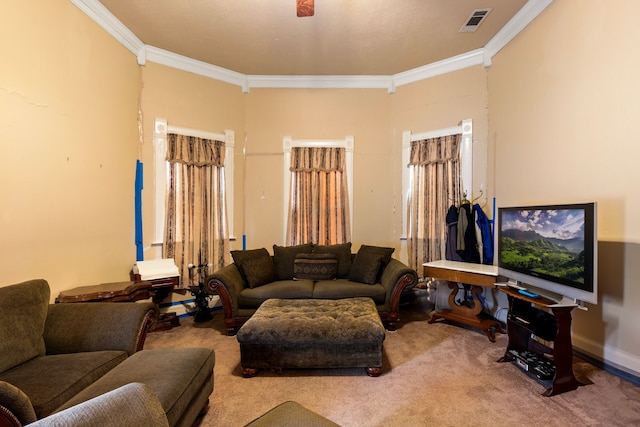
(257, 39)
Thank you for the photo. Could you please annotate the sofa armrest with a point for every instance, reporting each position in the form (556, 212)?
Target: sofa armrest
(133, 404)
(95, 326)
(227, 283)
(15, 406)
(395, 278)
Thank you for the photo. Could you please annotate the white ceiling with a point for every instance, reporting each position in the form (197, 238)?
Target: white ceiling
(343, 38)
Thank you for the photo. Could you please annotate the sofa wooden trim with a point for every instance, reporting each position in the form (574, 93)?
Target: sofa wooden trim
(392, 317)
(7, 419)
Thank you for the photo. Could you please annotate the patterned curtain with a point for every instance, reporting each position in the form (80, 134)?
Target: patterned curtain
(196, 222)
(436, 185)
(319, 200)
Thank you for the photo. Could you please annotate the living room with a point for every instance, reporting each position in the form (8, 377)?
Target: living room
(557, 103)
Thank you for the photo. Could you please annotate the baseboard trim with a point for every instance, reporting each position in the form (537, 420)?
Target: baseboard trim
(607, 355)
(184, 306)
(193, 313)
(607, 367)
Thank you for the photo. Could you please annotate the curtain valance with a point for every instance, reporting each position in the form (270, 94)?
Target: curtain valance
(435, 150)
(317, 159)
(195, 151)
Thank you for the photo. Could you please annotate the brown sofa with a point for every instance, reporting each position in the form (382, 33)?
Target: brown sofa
(256, 275)
(57, 359)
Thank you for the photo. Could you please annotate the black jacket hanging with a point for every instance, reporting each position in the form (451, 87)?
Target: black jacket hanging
(451, 245)
(469, 250)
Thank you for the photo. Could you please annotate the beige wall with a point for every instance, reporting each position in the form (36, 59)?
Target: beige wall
(190, 101)
(376, 119)
(442, 102)
(563, 102)
(319, 114)
(438, 103)
(68, 100)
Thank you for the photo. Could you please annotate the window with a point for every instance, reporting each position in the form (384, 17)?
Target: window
(205, 206)
(324, 168)
(431, 186)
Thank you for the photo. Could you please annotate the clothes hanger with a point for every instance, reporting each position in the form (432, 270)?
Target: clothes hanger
(477, 198)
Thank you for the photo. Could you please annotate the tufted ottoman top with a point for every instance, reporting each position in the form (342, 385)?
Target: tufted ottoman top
(300, 321)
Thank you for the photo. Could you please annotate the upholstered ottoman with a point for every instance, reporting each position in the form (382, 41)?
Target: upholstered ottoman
(181, 379)
(312, 333)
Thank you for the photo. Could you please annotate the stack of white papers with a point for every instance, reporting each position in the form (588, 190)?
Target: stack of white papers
(156, 269)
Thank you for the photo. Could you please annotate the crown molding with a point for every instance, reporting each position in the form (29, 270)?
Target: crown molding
(101, 15)
(247, 82)
(320, 82)
(112, 25)
(458, 62)
(184, 63)
(520, 20)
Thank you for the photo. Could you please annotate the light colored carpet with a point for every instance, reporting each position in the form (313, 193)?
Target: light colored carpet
(434, 375)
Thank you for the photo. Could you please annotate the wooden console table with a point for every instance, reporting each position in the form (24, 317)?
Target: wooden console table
(473, 278)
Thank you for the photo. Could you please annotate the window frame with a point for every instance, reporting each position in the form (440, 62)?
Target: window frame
(466, 161)
(288, 143)
(161, 129)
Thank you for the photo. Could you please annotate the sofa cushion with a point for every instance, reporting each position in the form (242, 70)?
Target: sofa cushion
(175, 375)
(342, 252)
(317, 266)
(256, 266)
(343, 288)
(284, 289)
(284, 258)
(366, 267)
(23, 312)
(50, 381)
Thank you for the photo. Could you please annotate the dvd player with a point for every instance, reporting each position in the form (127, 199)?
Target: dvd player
(534, 363)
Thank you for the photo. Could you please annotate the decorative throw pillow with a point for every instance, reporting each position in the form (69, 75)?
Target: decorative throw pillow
(342, 251)
(315, 266)
(284, 256)
(385, 252)
(365, 263)
(256, 266)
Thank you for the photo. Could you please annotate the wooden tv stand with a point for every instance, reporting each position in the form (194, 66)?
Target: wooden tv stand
(529, 318)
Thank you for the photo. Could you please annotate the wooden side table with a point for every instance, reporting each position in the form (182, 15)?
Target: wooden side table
(473, 278)
(157, 290)
(107, 292)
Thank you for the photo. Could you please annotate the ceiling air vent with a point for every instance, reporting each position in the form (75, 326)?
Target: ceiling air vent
(474, 21)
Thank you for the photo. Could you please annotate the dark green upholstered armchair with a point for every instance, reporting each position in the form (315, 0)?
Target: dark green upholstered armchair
(50, 352)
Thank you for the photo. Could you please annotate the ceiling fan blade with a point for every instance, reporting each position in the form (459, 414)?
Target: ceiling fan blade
(304, 7)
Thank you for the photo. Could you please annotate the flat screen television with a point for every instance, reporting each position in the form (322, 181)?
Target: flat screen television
(552, 248)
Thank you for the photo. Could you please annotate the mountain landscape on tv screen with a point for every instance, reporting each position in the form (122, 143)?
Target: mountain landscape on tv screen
(530, 252)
